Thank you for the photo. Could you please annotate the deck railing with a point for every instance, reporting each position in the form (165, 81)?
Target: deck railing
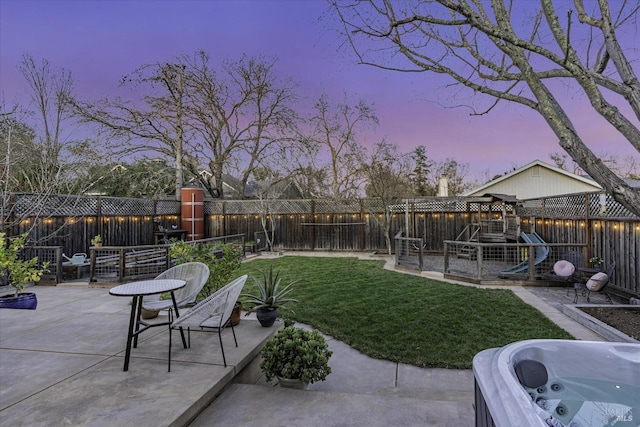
(409, 252)
(116, 264)
(126, 263)
(502, 263)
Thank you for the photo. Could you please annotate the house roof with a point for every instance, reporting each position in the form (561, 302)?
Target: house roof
(494, 197)
(481, 189)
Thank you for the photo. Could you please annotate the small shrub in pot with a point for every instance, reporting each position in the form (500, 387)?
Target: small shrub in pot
(296, 353)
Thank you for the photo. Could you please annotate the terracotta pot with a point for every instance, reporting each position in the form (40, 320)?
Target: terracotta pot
(235, 315)
(149, 314)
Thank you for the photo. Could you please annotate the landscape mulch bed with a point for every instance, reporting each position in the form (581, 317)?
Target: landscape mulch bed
(626, 320)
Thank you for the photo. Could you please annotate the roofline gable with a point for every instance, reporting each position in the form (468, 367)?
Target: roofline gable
(536, 162)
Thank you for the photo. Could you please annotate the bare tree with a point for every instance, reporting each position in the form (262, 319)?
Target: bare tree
(269, 187)
(387, 180)
(155, 125)
(560, 161)
(41, 153)
(240, 115)
(17, 145)
(333, 129)
(629, 167)
(455, 173)
(495, 50)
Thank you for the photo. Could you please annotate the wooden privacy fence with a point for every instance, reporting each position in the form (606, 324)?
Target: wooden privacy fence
(594, 220)
(71, 221)
(605, 227)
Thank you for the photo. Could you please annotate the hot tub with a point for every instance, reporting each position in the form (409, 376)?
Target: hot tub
(558, 383)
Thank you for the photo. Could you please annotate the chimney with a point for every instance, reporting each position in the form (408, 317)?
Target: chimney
(443, 187)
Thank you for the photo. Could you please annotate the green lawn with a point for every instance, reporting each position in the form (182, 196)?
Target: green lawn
(400, 317)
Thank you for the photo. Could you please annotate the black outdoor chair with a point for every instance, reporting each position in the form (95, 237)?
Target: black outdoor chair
(575, 258)
(596, 284)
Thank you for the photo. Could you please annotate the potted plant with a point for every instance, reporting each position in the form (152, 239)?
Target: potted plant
(596, 262)
(250, 246)
(297, 357)
(269, 298)
(16, 272)
(96, 241)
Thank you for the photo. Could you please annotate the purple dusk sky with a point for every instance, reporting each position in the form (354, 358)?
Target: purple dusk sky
(100, 41)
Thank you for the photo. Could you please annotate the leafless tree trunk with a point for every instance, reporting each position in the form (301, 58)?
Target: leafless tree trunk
(482, 46)
(42, 156)
(333, 129)
(156, 126)
(387, 180)
(240, 115)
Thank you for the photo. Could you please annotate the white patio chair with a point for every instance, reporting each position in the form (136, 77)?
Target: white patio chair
(194, 273)
(212, 312)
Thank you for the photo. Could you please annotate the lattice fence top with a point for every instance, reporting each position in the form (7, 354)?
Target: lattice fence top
(240, 207)
(438, 204)
(600, 206)
(337, 205)
(214, 207)
(34, 205)
(167, 207)
(596, 205)
(126, 207)
(372, 205)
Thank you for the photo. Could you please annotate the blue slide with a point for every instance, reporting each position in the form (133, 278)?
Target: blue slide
(542, 252)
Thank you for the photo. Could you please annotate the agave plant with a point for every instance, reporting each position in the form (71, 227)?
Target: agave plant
(271, 295)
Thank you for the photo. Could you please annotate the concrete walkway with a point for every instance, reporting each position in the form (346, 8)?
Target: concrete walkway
(62, 365)
(362, 391)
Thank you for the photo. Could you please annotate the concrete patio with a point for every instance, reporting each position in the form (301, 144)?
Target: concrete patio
(62, 364)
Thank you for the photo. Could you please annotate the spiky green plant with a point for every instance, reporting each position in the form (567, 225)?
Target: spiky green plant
(270, 295)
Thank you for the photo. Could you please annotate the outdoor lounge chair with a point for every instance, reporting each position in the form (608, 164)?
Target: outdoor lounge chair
(561, 271)
(194, 273)
(212, 312)
(596, 284)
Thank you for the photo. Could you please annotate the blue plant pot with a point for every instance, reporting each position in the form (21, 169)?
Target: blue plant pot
(24, 301)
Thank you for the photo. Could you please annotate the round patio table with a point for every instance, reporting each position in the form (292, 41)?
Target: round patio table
(137, 290)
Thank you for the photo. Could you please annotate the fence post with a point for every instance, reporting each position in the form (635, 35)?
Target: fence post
(532, 262)
(314, 228)
(121, 265)
(224, 218)
(59, 251)
(446, 258)
(362, 244)
(99, 216)
(479, 260)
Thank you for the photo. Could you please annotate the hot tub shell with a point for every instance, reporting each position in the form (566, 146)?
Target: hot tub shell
(500, 399)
